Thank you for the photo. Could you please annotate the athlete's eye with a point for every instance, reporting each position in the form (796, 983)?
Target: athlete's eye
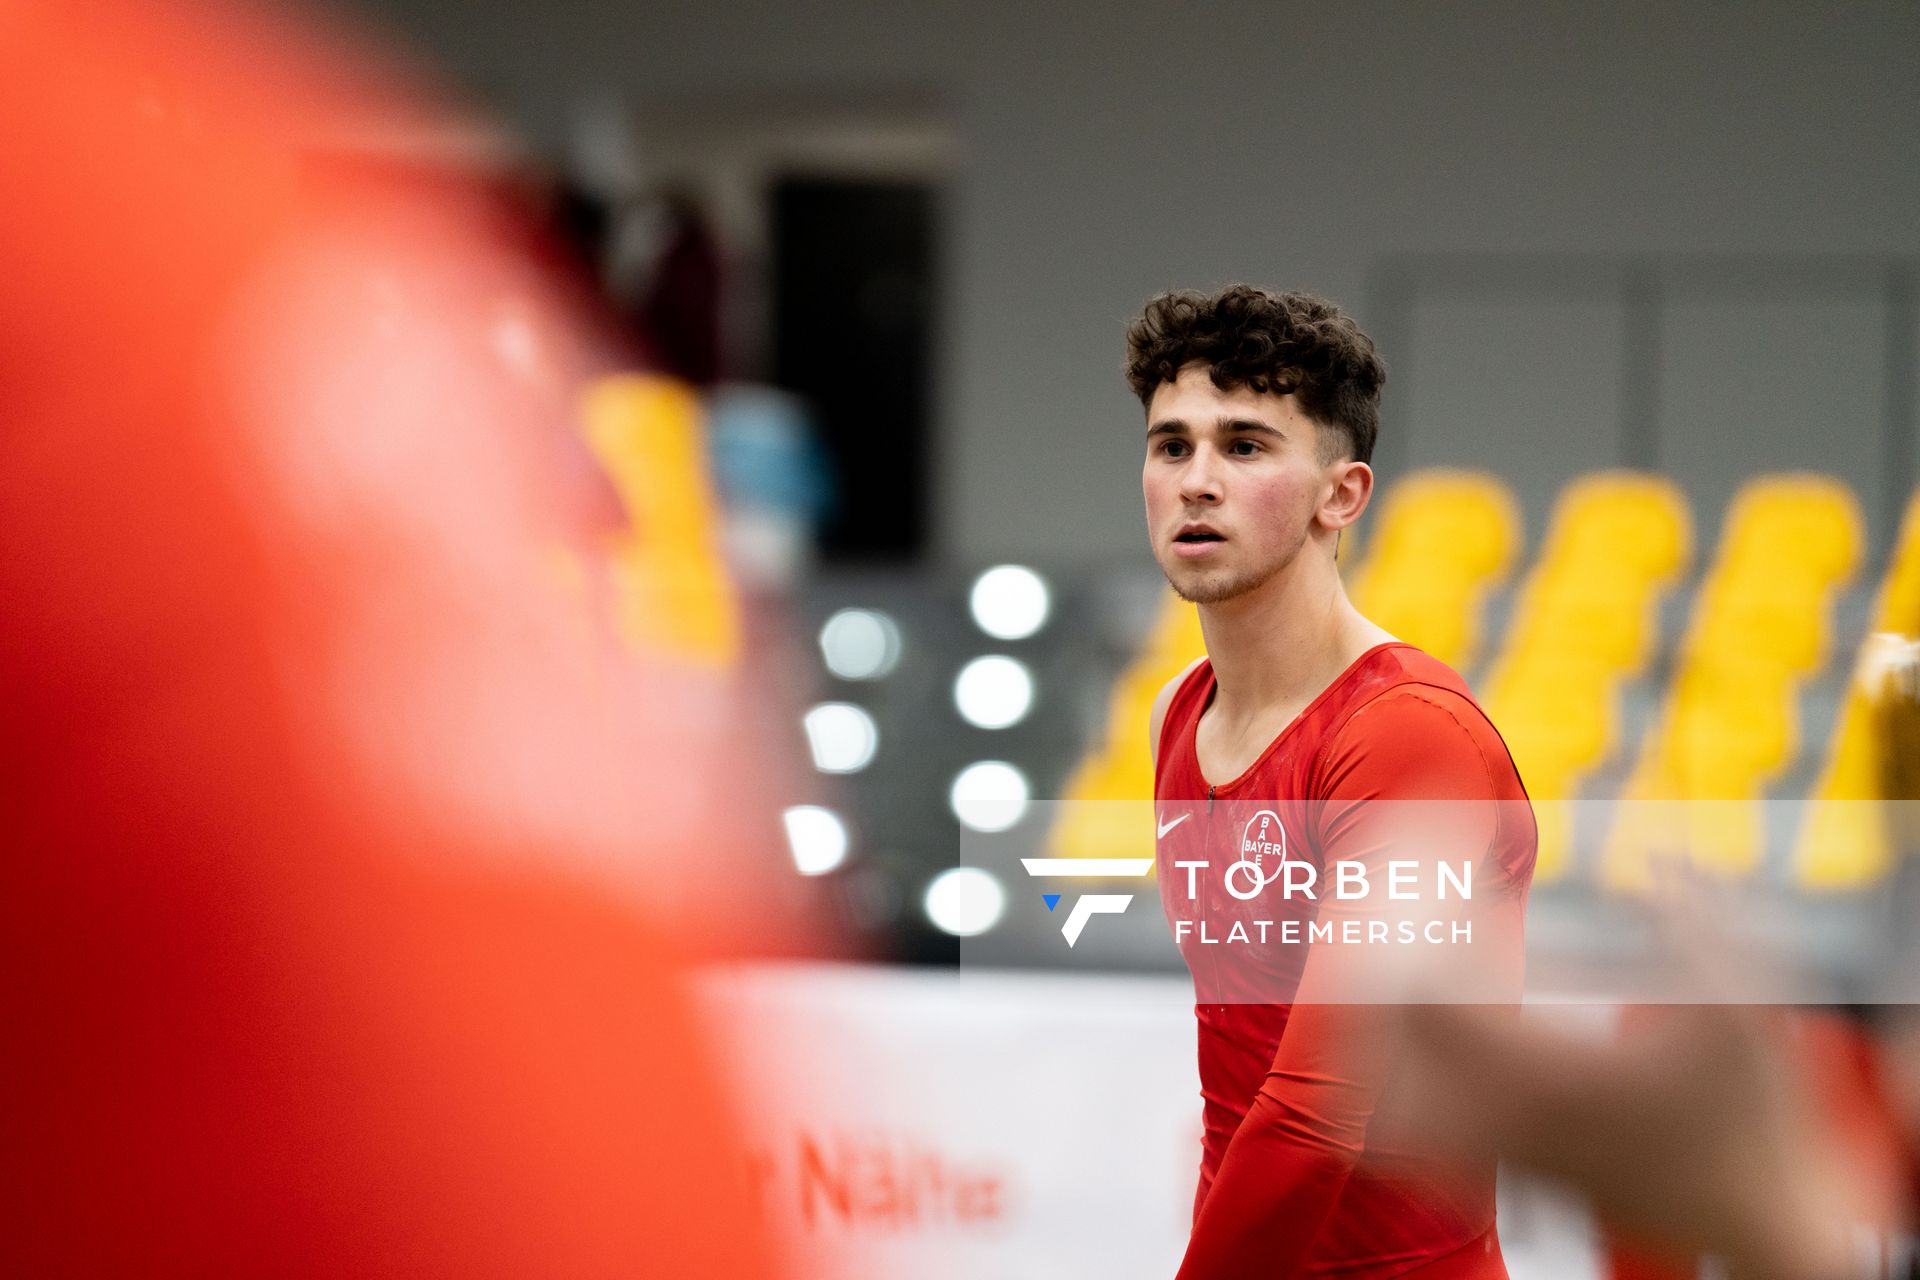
(1173, 448)
(1244, 448)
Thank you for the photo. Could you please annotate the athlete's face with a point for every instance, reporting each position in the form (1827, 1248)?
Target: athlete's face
(1236, 486)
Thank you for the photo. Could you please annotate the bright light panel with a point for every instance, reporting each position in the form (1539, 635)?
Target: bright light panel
(994, 692)
(965, 901)
(1010, 602)
(990, 795)
(860, 644)
(842, 737)
(817, 837)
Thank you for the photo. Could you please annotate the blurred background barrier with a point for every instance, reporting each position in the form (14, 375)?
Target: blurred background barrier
(1015, 1125)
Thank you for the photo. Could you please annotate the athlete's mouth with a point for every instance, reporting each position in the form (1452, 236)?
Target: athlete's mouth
(1199, 533)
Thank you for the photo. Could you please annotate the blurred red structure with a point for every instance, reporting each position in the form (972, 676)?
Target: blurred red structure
(336, 849)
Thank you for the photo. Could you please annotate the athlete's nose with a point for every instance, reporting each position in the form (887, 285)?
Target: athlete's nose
(1200, 482)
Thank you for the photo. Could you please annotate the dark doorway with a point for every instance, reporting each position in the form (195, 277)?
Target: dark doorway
(852, 313)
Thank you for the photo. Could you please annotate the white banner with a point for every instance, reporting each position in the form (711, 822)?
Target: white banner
(920, 1125)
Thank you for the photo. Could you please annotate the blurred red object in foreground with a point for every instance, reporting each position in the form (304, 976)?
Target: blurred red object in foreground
(327, 950)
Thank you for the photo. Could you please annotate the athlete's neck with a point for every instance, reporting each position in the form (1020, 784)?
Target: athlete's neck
(1282, 643)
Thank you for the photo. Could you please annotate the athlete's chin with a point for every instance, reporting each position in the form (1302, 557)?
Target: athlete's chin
(1209, 588)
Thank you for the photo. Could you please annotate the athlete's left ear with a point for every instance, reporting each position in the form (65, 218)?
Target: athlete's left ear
(1350, 488)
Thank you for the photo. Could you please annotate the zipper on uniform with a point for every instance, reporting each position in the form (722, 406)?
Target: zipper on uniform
(1206, 845)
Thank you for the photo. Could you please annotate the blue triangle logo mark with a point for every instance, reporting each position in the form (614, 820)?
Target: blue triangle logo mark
(1051, 899)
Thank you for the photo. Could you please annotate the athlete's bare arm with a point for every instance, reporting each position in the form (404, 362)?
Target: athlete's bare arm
(1158, 716)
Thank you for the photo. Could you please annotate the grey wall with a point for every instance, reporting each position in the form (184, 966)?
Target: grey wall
(1116, 148)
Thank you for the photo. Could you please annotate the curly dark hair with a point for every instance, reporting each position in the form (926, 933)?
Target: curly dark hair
(1281, 342)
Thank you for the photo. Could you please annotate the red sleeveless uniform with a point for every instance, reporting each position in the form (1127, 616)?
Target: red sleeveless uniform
(1309, 1167)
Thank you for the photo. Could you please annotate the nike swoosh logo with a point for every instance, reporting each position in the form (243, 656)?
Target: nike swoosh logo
(1162, 828)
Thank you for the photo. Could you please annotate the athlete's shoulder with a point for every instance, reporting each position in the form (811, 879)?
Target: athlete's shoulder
(1397, 670)
(1399, 663)
(1416, 715)
(1422, 710)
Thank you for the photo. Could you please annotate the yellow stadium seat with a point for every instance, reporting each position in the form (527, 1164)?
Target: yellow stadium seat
(1796, 519)
(1555, 742)
(1626, 520)
(1584, 619)
(1444, 538)
(1729, 727)
(1602, 618)
(1464, 518)
(1108, 808)
(1843, 843)
(1644, 829)
(1785, 630)
(1438, 611)
(676, 595)
(1898, 606)
(1106, 815)
(1649, 828)
(1760, 623)
(1726, 835)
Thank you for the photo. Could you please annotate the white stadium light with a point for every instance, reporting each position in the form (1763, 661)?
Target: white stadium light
(965, 901)
(1010, 602)
(842, 737)
(860, 644)
(817, 837)
(990, 795)
(994, 692)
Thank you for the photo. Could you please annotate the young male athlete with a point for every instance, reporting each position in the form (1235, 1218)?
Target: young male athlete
(1308, 735)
